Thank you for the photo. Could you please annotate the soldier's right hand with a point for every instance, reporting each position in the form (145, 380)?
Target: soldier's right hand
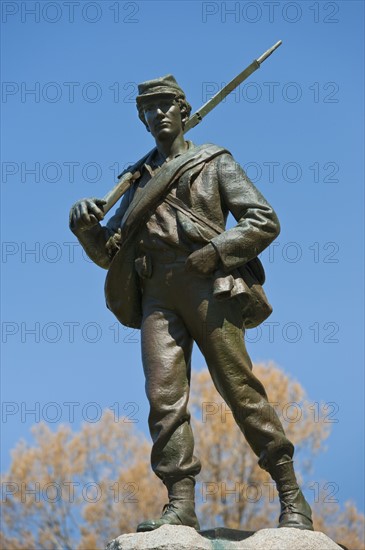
(86, 213)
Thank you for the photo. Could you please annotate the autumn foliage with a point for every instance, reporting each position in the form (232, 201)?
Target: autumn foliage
(77, 490)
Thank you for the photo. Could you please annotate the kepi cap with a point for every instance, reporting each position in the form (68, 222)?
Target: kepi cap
(164, 85)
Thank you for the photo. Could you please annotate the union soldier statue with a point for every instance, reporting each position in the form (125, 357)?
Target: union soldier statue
(176, 273)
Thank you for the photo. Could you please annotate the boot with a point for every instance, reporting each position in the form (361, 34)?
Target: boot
(295, 510)
(180, 509)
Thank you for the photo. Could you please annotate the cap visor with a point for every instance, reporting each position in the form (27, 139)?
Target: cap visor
(146, 98)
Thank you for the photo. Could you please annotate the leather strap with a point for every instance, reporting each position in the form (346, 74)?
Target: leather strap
(145, 202)
(175, 202)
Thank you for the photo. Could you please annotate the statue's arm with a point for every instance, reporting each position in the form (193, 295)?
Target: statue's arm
(257, 224)
(99, 242)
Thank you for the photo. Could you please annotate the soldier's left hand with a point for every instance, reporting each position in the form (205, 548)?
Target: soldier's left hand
(203, 262)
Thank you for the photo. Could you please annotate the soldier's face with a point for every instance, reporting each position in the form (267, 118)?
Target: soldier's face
(163, 117)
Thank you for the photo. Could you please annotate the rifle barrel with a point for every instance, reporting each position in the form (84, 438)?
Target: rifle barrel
(197, 117)
(127, 179)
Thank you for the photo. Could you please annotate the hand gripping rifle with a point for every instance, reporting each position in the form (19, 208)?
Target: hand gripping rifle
(132, 174)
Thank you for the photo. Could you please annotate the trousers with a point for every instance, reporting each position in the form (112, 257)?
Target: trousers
(178, 309)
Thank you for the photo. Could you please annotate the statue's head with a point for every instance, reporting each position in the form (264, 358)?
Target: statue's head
(163, 90)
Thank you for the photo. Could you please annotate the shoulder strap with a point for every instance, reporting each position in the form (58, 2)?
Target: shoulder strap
(178, 204)
(145, 203)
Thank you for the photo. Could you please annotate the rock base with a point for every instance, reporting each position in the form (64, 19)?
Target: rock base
(172, 537)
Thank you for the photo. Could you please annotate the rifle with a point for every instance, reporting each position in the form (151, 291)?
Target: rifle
(127, 178)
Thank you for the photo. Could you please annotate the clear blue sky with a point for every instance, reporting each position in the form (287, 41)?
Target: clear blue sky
(297, 127)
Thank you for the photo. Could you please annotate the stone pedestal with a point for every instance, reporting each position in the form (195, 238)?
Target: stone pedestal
(171, 537)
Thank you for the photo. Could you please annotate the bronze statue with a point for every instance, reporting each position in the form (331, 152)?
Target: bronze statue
(176, 273)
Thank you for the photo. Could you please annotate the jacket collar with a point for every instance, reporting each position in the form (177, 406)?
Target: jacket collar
(155, 160)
